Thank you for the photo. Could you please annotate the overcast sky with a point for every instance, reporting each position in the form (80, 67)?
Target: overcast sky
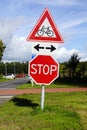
(17, 19)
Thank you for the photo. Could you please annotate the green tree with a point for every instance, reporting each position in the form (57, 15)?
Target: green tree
(73, 63)
(83, 69)
(25, 67)
(63, 70)
(2, 48)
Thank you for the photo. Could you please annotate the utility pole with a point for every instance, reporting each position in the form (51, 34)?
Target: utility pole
(14, 68)
(5, 69)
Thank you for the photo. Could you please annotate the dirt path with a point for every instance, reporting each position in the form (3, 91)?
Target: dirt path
(33, 91)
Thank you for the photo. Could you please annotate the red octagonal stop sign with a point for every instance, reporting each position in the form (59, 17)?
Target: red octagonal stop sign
(43, 69)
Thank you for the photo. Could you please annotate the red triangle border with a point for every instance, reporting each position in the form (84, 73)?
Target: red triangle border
(58, 38)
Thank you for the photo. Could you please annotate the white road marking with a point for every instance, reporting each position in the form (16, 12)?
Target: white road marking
(3, 97)
(5, 88)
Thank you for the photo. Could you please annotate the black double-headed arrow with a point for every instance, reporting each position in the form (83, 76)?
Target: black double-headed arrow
(38, 47)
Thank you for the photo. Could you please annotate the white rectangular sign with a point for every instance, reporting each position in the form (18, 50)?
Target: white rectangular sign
(44, 48)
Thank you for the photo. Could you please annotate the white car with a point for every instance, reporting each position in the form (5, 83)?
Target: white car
(9, 76)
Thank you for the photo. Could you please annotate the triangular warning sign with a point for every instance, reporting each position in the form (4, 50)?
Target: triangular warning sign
(45, 30)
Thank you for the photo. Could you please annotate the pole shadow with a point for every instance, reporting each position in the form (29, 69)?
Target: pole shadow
(24, 102)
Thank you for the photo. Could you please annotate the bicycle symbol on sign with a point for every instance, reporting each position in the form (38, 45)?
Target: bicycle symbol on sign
(45, 30)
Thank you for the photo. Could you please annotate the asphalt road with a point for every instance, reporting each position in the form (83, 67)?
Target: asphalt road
(13, 83)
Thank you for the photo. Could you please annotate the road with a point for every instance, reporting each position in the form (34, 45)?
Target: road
(13, 83)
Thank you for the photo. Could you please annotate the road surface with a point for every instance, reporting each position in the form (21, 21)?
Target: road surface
(12, 83)
(7, 89)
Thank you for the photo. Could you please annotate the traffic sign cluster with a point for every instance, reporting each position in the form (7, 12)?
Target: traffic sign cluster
(43, 68)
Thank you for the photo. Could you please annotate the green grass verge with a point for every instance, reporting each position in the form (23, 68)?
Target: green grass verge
(59, 83)
(4, 80)
(63, 111)
(28, 85)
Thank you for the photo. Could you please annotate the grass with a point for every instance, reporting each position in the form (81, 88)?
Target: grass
(28, 85)
(63, 111)
(59, 83)
(4, 79)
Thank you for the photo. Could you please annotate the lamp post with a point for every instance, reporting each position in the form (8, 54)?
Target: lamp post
(5, 69)
(14, 68)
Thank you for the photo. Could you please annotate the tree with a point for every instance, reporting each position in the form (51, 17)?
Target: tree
(73, 63)
(63, 70)
(83, 69)
(2, 48)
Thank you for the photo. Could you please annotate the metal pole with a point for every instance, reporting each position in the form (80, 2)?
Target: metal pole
(5, 69)
(14, 68)
(42, 97)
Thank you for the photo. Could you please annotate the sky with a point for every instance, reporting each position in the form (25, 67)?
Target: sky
(17, 19)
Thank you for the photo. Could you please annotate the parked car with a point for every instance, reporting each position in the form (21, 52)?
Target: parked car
(20, 75)
(9, 76)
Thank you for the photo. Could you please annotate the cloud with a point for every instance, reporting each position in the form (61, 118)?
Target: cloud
(83, 55)
(13, 30)
(55, 3)
(64, 55)
(19, 5)
(75, 22)
(68, 2)
(74, 29)
(8, 28)
(16, 47)
(18, 50)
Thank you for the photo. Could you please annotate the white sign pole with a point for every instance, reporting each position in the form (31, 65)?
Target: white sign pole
(42, 97)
